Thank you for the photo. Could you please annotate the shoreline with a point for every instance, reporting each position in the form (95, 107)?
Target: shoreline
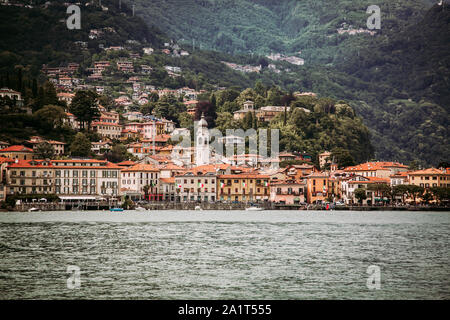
(24, 207)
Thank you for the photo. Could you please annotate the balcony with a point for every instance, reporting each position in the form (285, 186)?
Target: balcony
(287, 193)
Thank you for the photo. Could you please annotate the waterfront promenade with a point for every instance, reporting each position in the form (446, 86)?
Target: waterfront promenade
(58, 206)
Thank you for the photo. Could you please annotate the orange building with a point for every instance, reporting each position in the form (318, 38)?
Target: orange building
(317, 187)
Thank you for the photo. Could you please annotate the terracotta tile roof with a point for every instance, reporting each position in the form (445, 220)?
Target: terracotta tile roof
(55, 142)
(317, 175)
(372, 166)
(30, 164)
(243, 169)
(3, 160)
(400, 174)
(159, 138)
(427, 171)
(79, 161)
(243, 176)
(112, 165)
(16, 148)
(126, 163)
(141, 167)
(170, 166)
(286, 154)
(286, 182)
(167, 180)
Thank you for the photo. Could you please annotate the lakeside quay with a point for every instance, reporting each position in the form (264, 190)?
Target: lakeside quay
(23, 207)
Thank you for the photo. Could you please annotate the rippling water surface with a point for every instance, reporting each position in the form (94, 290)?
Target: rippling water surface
(225, 254)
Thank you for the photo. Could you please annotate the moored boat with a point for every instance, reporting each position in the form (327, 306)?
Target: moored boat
(115, 209)
(254, 209)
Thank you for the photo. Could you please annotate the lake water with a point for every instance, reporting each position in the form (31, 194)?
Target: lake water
(225, 254)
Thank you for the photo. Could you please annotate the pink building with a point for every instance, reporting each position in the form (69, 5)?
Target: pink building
(287, 191)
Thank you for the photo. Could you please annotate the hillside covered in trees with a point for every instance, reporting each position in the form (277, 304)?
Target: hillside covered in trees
(395, 81)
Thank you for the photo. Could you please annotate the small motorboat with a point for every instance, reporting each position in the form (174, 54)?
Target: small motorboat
(254, 209)
(198, 208)
(140, 209)
(115, 209)
(33, 209)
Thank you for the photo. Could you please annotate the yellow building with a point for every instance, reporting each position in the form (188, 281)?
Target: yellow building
(334, 188)
(107, 130)
(245, 187)
(429, 178)
(30, 177)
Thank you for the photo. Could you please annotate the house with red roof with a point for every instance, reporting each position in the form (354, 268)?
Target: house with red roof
(134, 180)
(288, 191)
(431, 177)
(17, 152)
(380, 169)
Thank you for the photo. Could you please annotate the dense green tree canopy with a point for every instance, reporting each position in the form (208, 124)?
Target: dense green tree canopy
(81, 146)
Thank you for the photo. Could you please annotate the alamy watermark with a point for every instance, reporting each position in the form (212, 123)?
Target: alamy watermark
(74, 20)
(374, 21)
(374, 279)
(74, 280)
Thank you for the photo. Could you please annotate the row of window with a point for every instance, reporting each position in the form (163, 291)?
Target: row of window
(22, 182)
(84, 182)
(84, 190)
(205, 181)
(432, 178)
(228, 181)
(33, 173)
(427, 185)
(77, 164)
(199, 190)
(148, 182)
(236, 190)
(140, 175)
(85, 173)
(289, 190)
